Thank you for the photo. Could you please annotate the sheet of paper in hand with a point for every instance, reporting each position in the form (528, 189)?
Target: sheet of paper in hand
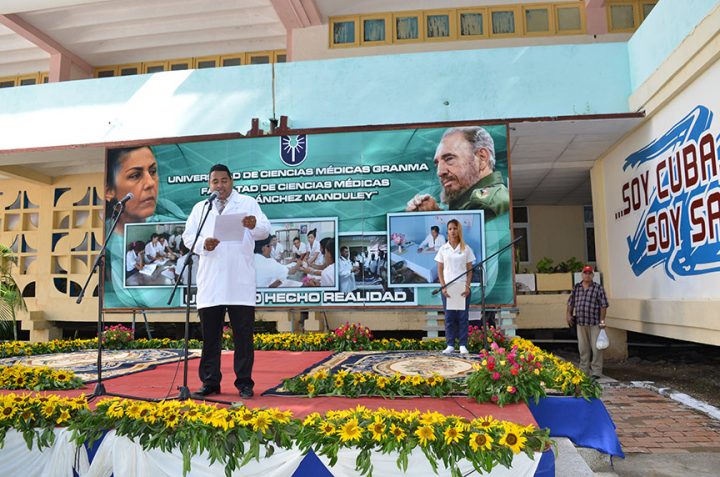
(456, 301)
(229, 228)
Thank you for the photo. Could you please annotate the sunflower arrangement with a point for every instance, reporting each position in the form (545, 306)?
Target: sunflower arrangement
(234, 436)
(40, 378)
(23, 348)
(485, 442)
(37, 416)
(286, 341)
(263, 341)
(344, 383)
(231, 436)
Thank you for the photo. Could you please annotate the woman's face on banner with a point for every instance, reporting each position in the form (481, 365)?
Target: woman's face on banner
(138, 174)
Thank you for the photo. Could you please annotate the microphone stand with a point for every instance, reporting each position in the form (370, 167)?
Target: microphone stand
(100, 266)
(184, 393)
(481, 268)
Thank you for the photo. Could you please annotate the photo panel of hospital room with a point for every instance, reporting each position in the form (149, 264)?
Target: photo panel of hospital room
(269, 273)
(368, 254)
(155, 264)
(302, 255)
(416, 238)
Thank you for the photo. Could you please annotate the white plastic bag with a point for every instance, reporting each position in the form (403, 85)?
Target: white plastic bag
(602, 340)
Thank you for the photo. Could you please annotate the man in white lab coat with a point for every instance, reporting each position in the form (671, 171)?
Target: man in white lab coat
(226, 281)
(346, 271)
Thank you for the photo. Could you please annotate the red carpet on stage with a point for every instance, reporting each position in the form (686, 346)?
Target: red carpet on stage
(271, 367)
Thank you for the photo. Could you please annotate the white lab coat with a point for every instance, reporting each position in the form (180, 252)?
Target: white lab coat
(347, 277)
(315, 249)
(277, 252)
(327, 277)
(432, 242)
(226, 276)
(268, 271)
(303, 248)
(152, 250)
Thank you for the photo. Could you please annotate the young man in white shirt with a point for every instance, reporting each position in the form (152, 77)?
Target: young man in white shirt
(346, 271)
(276, 249)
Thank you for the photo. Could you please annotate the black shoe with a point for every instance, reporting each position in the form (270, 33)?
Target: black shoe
(246, 392)
(207, 390)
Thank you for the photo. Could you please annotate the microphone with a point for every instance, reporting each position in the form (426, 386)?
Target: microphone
(212, 197)
(129, 196)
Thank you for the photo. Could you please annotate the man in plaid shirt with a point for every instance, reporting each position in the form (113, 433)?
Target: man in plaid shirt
(586, 307)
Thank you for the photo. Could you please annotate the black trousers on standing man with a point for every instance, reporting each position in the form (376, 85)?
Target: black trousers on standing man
(242, 319)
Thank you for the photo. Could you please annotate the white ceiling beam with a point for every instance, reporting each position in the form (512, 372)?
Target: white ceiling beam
(42, 40)
(19, 6)
(297, 13)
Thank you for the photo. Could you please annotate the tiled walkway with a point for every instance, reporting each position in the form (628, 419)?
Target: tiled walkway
(648, 422)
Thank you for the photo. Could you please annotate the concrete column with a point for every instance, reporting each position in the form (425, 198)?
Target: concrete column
(618, 349)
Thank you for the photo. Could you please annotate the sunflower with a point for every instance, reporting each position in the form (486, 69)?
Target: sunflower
(480, 441)
(350, 431)
(261, 422)
(49, 409)
(64, 416)
(171, 420)
(487, 422)
(134, 411)
(311, 419)
(453, 435)
(192, 415)
(425, 434)
(63, 377)
(397, 432)
(246, 418)
(115, 410)
(377, 429)
(283, 417)
(417, 380)
(7, 412)
(513, 440)
(327, 428)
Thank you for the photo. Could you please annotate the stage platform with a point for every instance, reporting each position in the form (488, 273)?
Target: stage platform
(271, 367)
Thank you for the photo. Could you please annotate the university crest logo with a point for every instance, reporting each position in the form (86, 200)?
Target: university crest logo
(293, 149)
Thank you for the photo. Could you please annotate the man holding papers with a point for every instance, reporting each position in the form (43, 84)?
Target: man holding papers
(226, 278)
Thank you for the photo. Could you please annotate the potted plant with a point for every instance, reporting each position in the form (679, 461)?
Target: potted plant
(553, 278)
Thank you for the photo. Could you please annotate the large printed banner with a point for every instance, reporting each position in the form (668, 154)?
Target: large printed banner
(377, 201)
(665, 232)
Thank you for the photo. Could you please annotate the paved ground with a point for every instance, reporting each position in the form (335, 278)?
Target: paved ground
(650, 423)
(660, 436)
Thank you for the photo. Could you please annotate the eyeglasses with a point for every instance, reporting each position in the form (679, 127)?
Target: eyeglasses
(587, 273)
